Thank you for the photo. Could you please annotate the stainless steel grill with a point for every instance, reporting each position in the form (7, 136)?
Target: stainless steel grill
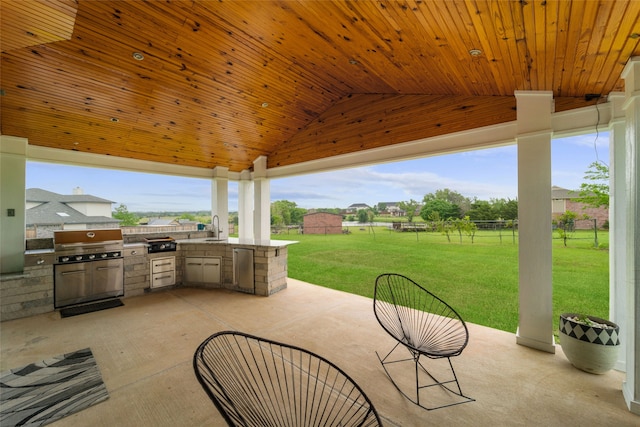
(161, 244)
(88, 266)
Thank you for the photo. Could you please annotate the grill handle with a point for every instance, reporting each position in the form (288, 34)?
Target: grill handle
(88, 245)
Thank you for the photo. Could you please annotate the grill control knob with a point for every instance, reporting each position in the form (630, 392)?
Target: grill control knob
(92, 256)
(64, 259)
(78, 257)
(103, 255)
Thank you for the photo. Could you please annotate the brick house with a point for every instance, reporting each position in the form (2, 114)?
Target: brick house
(563, 200)
(322, 223)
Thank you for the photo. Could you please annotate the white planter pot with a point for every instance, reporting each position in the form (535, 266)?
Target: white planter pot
(589, 348)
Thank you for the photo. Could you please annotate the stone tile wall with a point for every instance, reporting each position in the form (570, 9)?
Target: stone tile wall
(136, 270)
(30, 292)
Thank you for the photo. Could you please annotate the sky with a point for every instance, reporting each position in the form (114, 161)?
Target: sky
(483, 174)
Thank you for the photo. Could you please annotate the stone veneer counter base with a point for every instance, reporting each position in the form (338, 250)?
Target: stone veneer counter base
(270, 260)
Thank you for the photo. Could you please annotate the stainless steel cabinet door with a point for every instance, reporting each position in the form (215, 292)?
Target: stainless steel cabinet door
(72, 283)
(108, 278)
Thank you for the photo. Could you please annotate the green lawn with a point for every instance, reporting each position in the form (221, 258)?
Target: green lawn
(479, 280)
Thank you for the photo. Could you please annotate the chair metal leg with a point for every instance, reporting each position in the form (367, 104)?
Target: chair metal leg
(415, 357)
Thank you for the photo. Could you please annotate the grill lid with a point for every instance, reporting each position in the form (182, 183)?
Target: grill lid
(160, 240)
(87, 245)
(70, 237)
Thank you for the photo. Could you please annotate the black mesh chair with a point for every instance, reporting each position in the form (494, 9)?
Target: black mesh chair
(426, 326)
(258, 382)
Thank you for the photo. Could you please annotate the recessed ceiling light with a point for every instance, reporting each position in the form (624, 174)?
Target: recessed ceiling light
(265, 104)
(353, 62)
(138, 56)
(115, 119)
(635, 36)
(475, 52)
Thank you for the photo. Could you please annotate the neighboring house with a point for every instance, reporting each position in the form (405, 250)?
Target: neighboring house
(563, 200)
(322, 223)
(357, 207)
(391, 209)
(47, 211)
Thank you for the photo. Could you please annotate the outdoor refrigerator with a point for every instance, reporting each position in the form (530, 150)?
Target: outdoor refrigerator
(243, 276)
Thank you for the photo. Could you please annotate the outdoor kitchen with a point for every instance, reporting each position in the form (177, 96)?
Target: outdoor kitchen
(80, 267)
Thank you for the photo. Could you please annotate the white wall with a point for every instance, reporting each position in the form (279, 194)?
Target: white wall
(92, 208)
(12, 196)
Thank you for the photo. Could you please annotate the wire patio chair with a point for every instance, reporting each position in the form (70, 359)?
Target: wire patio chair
(426, 326)
(258, 382)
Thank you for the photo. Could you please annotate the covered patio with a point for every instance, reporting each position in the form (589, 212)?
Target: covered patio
(217, 90)
(144, 352)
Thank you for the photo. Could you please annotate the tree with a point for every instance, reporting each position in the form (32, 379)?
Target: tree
(455, 206)
(126, 218)
(284, 212)
(276, 219)
(363, 216)
(455, 198)
(297, 215)
(330, 210)
(444, 209)
(469, 227)
(409, 208)
(481, 210)
(505, 208)
(565, 225)
(595, 193)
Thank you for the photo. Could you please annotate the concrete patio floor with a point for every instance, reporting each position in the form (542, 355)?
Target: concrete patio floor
(145, 348)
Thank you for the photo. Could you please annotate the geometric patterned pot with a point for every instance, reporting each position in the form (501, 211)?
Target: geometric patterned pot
(589, 348)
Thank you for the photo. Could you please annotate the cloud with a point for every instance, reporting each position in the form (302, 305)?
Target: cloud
(600, 140)
(371, 186)
(300, 196)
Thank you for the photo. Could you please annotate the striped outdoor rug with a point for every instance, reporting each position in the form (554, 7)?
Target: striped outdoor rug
(45, 391)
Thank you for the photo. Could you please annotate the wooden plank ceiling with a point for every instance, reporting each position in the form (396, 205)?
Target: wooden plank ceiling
(223, 82)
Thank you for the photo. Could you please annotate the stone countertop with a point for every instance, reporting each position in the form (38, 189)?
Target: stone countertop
(239, 242)
(201, 241)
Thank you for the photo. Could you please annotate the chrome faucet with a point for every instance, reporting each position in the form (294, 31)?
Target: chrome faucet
(216, 227)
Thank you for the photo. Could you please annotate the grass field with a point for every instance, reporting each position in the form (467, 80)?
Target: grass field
(480, 279)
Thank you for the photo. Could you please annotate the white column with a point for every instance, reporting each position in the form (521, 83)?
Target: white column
(13, 163)
(220, 200)
(535, 326)
(261, 200)
(617, 221)
(631, 385)
(245, 205)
